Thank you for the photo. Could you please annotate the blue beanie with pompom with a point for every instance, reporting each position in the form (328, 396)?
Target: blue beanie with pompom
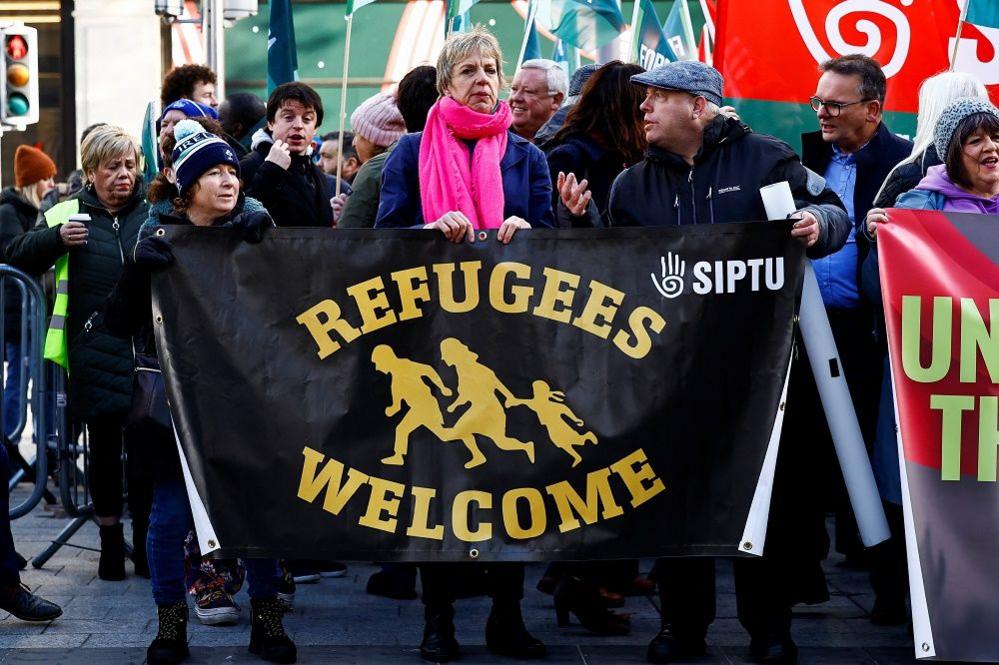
(198, 150)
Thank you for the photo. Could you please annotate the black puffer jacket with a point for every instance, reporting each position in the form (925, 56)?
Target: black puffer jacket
(17, 217)
(724, 185)
(100, 378)
(905, 177)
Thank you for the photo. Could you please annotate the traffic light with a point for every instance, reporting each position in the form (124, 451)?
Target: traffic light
(19, 87)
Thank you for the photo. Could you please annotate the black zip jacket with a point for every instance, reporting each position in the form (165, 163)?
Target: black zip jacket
(100, 378)
(17, 217)
(724, 185)
(296, 196)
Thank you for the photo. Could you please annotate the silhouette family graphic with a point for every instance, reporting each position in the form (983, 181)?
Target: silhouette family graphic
(480, 389)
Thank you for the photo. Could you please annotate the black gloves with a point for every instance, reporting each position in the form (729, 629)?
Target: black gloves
(251, 225)
(153, 252)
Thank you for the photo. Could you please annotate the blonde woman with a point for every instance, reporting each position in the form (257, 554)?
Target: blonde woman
(88, 257)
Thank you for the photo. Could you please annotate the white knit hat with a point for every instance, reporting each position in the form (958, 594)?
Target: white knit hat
(378, 120)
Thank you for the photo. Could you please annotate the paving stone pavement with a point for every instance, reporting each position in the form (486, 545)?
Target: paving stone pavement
(335, 621)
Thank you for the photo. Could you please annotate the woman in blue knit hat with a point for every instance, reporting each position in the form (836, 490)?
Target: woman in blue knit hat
(206, 174)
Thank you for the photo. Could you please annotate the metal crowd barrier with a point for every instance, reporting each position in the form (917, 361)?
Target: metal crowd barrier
(62, 450)
(31, 346)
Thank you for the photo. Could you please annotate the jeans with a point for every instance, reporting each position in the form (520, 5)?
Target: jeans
(9, 575)
(12, 388)
(169, 523)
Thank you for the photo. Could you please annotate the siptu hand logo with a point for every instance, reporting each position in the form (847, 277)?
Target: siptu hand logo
(670, 283)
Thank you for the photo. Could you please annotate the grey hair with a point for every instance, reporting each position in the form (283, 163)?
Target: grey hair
(459, 46)
(558, 80)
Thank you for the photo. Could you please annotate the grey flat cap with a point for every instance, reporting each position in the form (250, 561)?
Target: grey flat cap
(686, 75)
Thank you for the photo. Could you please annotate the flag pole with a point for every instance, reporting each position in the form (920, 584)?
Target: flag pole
(957, 37)
(343, 103)
(636, 40)
(688, 27)
(532, 10)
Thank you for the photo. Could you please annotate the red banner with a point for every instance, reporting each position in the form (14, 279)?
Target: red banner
(770, 50)
(940, 282)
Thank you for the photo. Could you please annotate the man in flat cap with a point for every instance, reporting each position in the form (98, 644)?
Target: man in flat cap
(704, 167)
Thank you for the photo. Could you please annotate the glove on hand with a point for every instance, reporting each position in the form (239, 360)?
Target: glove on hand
(251, 225)
(153, 252)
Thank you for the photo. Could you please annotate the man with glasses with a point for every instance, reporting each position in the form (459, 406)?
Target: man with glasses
(855, 151)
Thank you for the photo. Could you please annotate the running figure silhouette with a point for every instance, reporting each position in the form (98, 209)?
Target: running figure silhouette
(409, 387)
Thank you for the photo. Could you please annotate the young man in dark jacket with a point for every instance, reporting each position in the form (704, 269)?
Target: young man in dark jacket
(702, 168)
(281, 175)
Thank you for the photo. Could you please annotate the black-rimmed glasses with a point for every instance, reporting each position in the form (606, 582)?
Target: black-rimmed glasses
(832, 108)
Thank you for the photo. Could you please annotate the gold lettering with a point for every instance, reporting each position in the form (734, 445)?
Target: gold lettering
(598, 493)
(330, 477)
(639, 343)
(460, 519)
(445, 286)
(536, 506)
(521, 293)
(413, 287)
(385, 498)
(638, 477)
(553, 294)
(598, 313)
(420, 527)
(320, 328)
(372, 303)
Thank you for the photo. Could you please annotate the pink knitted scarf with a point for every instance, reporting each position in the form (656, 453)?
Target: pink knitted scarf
(451, 179)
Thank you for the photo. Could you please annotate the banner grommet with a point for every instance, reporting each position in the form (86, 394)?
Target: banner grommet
(483, 235)
(748, 546)
(473, 553)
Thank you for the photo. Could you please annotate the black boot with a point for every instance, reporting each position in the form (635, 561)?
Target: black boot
(774, 651)
(170, 645)
(667, 647)
(267, 637)
(26, 606)
(112, 563)
(139, 560)
(506, 634)
(438, 643)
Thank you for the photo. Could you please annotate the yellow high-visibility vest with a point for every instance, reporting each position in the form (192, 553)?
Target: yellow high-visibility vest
(56, 346)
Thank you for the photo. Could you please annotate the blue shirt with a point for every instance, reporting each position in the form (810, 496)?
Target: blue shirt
(837, 273)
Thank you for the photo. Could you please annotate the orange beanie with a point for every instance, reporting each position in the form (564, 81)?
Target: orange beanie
(31, 165)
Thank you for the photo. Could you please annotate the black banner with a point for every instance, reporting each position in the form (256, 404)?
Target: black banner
(390, 395)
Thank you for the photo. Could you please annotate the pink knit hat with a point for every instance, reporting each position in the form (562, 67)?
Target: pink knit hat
(378, 120)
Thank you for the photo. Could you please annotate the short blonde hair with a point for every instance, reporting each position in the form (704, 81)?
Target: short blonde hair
(459, 46)
(105, 143)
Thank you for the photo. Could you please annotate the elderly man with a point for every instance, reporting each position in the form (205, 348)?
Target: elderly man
(704, 167)
(539, 87)
(855, 151)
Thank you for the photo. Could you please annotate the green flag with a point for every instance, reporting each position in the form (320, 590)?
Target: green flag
(586, 24)
(457, 15)
(681, 41)
(531, 46)
(282, 56)
(567, 56)
(354, 5)
(150, 145)
(651, 48)
(984, 13)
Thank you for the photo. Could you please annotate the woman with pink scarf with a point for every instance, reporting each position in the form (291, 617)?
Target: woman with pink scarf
(465, 172)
